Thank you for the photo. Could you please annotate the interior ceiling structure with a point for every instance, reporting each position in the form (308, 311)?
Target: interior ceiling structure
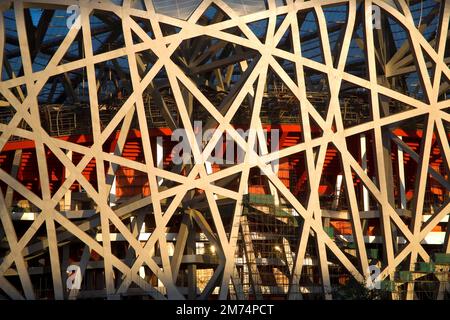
(225, 58)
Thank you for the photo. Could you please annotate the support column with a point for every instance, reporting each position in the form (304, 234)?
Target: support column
(142, 272)
(112, 192)
(338, 192)
(386, 224)
(274, 146)
(15, 168)
(363, 142)
(365, 192)
(68, 195)
(401, 176)
(159, 157)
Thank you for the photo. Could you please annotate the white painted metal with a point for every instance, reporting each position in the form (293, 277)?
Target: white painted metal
(184, 89)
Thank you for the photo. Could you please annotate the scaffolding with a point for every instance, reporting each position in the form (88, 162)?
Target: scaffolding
(427, 280)
(268, 239)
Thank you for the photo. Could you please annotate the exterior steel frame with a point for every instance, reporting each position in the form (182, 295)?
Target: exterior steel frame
(334, 132)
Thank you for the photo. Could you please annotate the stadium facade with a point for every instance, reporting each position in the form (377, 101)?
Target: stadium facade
(224, 149)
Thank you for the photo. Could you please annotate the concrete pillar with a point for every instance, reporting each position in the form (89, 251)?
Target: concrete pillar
(68, 195)
(365, 192)
(142, 272)
(275, 146)
(401, 175)
(159, 157)
(338, 191)
(366, 203)
(112, 194)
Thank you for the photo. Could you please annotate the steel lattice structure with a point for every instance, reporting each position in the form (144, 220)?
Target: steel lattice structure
(216, 61)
